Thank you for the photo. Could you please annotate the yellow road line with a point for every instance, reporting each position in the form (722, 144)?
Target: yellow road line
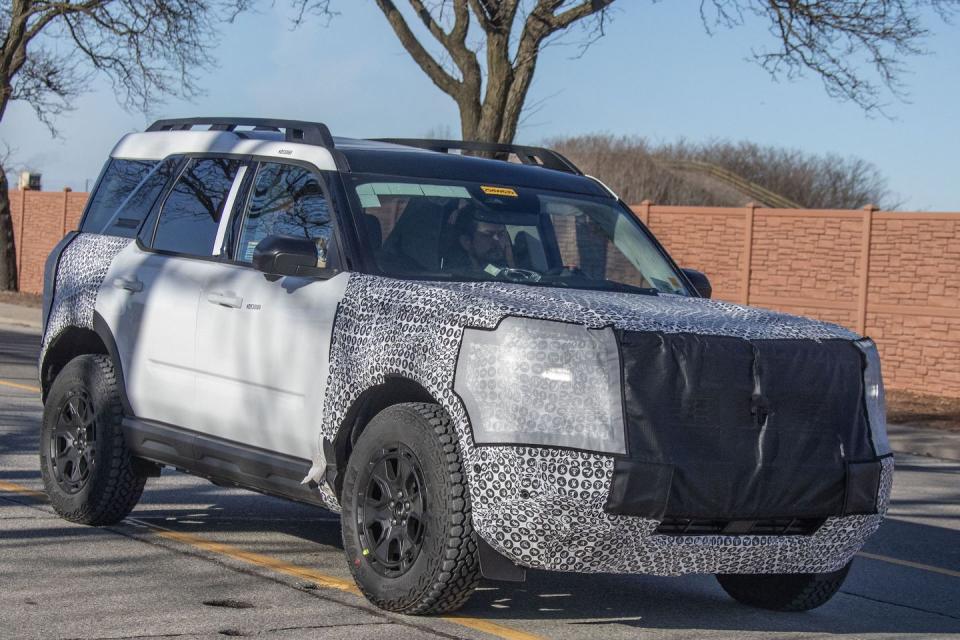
(908, 563)
(258, 559)
(16, 488)
(17, 385)
(321, 579)
(494, 629)
(280, 566)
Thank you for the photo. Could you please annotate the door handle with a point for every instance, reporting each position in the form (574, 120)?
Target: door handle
(225, 299)
(129, 284)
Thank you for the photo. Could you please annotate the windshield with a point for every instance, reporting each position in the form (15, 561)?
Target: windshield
(473, 231)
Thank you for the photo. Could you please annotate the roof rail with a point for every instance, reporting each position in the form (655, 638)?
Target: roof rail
(315, 133)
(537, 156)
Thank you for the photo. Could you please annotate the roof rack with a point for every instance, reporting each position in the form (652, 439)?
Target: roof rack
(537, 156)
(315, 133)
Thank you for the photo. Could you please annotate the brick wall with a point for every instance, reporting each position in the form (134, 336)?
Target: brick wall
(894, 276)
(40, 220)
(890, 275)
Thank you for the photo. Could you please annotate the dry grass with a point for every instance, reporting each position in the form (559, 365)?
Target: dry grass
(24, 299)
(921, 410)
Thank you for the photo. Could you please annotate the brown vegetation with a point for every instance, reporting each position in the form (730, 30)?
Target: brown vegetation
(679, 173)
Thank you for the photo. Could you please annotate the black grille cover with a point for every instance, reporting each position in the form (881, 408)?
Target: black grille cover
(729, 429)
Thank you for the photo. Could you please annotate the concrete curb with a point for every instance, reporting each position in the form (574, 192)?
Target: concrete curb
(933, 443)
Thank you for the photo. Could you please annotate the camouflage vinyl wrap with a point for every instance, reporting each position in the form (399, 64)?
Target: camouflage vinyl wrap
(82, 269)
(543, 508)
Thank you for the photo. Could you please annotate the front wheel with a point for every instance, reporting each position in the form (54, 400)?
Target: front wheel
(784, 592)
(407, 531)
(88, 472)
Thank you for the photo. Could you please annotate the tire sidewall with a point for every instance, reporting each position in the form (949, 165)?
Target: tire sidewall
(398, 424)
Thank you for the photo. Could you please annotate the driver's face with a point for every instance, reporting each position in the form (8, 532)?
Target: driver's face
(489, 243)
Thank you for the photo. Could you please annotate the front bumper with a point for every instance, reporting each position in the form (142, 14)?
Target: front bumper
(545, 509)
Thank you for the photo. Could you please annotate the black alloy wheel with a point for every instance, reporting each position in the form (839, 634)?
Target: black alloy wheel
(392, 510)
(73, 443)
(88, 472)
(407, 525)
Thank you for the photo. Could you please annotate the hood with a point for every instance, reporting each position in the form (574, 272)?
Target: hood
(486, 303)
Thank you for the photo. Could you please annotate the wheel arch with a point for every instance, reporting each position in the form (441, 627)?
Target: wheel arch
(395, 389)
(73, 341)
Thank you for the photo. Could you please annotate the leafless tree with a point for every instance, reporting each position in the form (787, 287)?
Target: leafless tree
(638, 171)
(837, 40)
(50, 50)
(488, 77)
(857, 47)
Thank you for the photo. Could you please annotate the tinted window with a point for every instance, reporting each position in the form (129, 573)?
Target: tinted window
(473, 231)
(286, 200)
(119, 180)
(191, 214)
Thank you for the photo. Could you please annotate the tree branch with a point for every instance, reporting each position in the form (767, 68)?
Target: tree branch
(447, 83)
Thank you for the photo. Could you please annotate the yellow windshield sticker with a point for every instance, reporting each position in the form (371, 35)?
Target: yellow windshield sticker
(499, 191)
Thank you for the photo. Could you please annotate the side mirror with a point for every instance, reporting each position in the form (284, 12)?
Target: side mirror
(288, 256)
(700, 282)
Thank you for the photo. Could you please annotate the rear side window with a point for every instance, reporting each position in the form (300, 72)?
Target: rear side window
(120, 179)
(192, 211)
(126, 195)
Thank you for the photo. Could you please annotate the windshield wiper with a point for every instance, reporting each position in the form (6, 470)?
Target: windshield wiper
(613, 285)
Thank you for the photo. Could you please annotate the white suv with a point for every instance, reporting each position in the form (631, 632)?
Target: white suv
(485, 365)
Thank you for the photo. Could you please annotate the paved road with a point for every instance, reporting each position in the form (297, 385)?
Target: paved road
(199, 561)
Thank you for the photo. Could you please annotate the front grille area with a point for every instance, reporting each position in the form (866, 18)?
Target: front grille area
(765, 527)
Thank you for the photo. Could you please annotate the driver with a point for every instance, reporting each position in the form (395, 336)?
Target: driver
(486, 244)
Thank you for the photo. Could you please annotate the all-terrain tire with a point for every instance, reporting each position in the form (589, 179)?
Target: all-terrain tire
(446, 569)
(784, 592)
(112, 484)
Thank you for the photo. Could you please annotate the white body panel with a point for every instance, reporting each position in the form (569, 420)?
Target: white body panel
(262, 349)
(155, 329)
(160, 144)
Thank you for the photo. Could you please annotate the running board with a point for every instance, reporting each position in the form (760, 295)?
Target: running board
(221, 461)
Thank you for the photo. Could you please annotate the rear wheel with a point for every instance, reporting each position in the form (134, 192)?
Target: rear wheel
(784, 592)
(407, 531)
(88, 472)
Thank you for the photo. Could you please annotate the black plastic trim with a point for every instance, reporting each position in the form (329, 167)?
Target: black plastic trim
(536, 156)
(222, 461)
(315, 133)
(495, 566)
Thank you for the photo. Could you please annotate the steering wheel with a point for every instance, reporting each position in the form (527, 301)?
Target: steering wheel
(514, 274)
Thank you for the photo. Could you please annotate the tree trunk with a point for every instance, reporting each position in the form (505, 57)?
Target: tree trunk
(8, 250)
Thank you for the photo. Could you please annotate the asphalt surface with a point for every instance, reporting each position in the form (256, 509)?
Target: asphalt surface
(199, 561)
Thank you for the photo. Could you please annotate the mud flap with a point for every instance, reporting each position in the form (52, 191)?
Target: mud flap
(495, 566)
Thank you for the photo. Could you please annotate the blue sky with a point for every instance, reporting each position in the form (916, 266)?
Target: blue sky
(656, 74)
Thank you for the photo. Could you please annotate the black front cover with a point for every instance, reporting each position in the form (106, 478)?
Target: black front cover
(752, 429)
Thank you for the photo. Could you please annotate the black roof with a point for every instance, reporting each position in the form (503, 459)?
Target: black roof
(414, 158)
(399, 160)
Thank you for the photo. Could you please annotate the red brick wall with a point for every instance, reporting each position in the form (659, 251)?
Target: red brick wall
(40, 219)
(894, 276)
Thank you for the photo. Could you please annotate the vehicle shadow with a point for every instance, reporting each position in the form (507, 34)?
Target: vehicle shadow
(871, 601)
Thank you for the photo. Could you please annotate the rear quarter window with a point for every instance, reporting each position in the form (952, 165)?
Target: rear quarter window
(125, 195)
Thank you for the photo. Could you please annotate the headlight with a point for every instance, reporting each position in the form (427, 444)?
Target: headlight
(874, 396)
(542, 383)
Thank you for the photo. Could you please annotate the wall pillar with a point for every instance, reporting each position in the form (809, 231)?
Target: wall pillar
(746, 260)
(644, 213)
(864, 275)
